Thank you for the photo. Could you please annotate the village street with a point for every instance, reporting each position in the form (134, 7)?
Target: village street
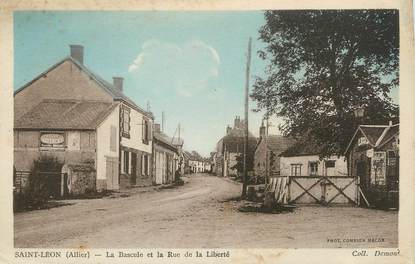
(196, 215)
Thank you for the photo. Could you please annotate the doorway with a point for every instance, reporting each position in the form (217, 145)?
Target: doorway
(133, 179)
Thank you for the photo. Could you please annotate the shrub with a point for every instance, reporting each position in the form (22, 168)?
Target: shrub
(37, 191)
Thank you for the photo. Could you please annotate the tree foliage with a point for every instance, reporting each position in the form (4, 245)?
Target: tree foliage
(322, 65)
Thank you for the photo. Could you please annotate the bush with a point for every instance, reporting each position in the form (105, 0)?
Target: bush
(37, 191)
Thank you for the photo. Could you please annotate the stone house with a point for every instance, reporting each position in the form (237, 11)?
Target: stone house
(303, 159)
(120, 153)
(165, 157)
(231, 146)
(71, 131)
(268, 149)
(373, 156)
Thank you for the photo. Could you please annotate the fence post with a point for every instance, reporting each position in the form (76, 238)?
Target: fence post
(357, 191)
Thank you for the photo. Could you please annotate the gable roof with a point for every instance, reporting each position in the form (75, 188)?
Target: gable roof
(277, 143)
(389, 134)
(115, 93)
(377, 135)
(372, 133)
(65, 114)
(165, 139)
(301, 148)
(236, 144)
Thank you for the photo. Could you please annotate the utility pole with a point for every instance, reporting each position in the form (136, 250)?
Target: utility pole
(266, 152)
(179, 131)
(245, 176)
(162, 121)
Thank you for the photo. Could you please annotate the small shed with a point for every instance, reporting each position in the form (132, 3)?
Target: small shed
(373, 156)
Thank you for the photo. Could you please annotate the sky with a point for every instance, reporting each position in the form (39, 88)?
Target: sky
(189, 65)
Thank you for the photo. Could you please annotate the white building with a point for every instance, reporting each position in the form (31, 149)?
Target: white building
(304, 160)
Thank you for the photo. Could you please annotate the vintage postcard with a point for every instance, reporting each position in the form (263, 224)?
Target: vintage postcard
(207, 132)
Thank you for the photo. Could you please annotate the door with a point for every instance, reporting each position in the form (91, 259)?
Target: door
(361, 172)
(133, 179)
(392, 180)
(159, 168)
(112, 173)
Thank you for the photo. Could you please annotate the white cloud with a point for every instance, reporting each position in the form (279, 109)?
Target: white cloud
(186, 68)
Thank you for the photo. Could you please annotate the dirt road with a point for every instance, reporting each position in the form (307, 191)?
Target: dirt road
(195, 216)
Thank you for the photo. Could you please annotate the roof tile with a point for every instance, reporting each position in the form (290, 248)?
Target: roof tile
(64, 114)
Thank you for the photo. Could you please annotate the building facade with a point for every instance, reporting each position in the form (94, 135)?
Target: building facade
(268, 149)
(303, 159)
(373, 156)
(230, 147)
(165, 157)
(71, 113)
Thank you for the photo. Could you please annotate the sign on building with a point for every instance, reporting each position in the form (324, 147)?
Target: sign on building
(362, 141)
(378, 172)
(53, 140)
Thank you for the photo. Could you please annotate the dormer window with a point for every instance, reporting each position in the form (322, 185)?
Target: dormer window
(125, 122)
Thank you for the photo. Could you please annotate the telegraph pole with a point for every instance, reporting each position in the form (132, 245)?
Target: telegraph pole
(245, 176)
(162, 121)
(266, 151)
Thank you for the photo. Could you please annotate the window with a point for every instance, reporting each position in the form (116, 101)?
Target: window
(126, 164)
(330, 163)
(313, 168)
(125, 122)
(295, 169)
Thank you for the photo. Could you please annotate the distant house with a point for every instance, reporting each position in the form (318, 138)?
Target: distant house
(303, 159)
(373, 155)
(166, 157)
(71, 113)
(231, 146)
(196, 162)
(268, 149)
(180, 164)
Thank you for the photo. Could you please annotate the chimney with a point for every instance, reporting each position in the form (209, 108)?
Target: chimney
(236, 122)
(262, 130)
(157, 128)
(77, 53)
(117, 82)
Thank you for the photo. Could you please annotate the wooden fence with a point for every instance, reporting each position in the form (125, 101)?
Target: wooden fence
(324, 190)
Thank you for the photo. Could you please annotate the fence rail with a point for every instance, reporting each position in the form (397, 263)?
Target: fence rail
(20, 180)
(322, 190)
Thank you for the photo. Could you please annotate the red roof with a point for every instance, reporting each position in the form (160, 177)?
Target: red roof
(65, 114)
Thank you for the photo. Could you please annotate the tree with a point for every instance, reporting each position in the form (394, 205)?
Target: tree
(322, 65)
(239, 165)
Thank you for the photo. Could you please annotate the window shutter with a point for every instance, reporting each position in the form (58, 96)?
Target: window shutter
(129, 121)
(149, 133)
(122, 119)
(142, 164)
(122, 161)
(143, 127)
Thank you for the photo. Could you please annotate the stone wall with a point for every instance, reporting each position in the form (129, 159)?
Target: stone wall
(81, 178)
